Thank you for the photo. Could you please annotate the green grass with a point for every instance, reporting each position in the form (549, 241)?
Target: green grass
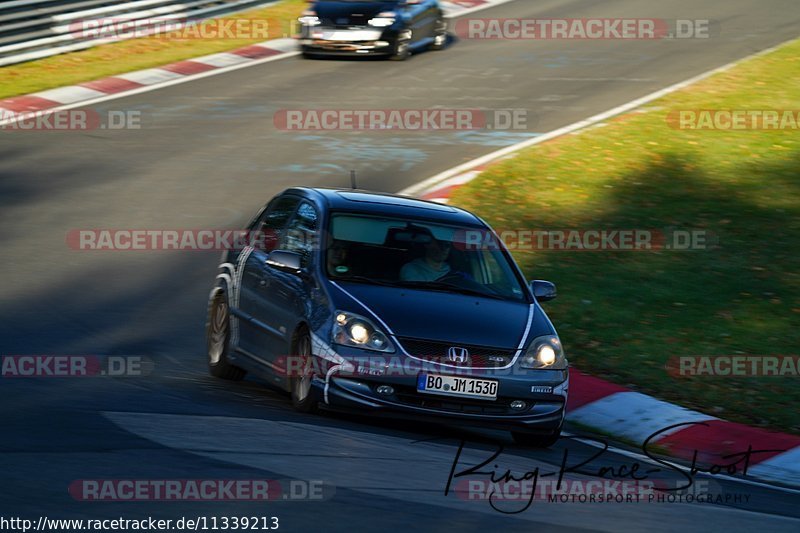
(136, 54)
(622, 315)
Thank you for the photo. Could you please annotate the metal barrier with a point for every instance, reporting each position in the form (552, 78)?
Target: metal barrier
(32, 29)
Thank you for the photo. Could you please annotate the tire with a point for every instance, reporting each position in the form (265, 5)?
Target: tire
(440, 39)
(218, 338)
(300, 386)
(402, 48)
(536, 441)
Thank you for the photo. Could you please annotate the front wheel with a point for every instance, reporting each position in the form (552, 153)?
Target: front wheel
(218, 338)
(402, 48)
(302, 396)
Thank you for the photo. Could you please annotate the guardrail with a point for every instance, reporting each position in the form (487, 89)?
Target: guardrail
(33, 29)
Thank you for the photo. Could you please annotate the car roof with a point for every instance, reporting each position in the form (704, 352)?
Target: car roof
(376, 203)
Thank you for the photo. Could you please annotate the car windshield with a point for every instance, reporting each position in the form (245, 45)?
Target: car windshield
(419, 254)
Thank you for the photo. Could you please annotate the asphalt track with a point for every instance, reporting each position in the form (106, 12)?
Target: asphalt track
(207, 156)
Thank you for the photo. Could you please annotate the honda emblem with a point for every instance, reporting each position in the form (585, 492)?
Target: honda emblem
(456, 354)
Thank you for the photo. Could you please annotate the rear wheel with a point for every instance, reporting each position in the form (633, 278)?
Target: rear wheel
(536, 441)
(302, 396)
(218, 336)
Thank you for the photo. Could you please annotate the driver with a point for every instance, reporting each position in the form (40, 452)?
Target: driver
(432, 266)
(337, 259)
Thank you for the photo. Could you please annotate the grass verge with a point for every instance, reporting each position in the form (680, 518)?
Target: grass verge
(622, 315)
(135, 54)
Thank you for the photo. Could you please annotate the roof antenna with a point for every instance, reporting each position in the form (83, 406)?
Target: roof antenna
(353, 179)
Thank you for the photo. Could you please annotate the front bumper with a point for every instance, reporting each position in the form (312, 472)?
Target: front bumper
(543, 411)
(350, 41)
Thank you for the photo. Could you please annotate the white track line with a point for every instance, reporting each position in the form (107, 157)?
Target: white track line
(428, 184)
(148, 88)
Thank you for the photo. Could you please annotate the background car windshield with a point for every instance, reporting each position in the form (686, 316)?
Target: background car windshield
(419, 254)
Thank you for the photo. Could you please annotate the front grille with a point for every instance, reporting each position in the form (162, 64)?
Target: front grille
(436, 352)
(358, 19)
(347, 22)
(343, 45)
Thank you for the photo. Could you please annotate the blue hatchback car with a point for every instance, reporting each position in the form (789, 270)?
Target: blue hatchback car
(391, 28)
(388, 305)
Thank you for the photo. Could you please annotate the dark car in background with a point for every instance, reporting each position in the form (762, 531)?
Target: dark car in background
(388, 305)
(392, 28)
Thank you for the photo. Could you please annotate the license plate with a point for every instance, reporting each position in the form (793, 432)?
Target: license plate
(352, 35)
(485, 389)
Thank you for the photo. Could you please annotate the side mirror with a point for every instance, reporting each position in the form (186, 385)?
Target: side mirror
(543, 290)
(285, 260)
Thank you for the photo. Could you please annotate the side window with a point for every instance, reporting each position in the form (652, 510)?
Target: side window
(301, 233)
(273, 221)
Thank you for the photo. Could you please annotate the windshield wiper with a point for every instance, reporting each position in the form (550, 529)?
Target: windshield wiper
(361, 279)
(447, 287)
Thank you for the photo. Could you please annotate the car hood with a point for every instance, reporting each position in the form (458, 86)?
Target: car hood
(350, 13)
(448, 317)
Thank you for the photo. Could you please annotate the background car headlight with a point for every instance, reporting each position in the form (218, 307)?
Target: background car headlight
(350, 329)
(544, 353)
(309, 18)
(382, 20)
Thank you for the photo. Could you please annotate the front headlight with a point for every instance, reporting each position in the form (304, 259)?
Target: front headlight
(309, 18)
(544, 353)
(350, 329)
(382, 20)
